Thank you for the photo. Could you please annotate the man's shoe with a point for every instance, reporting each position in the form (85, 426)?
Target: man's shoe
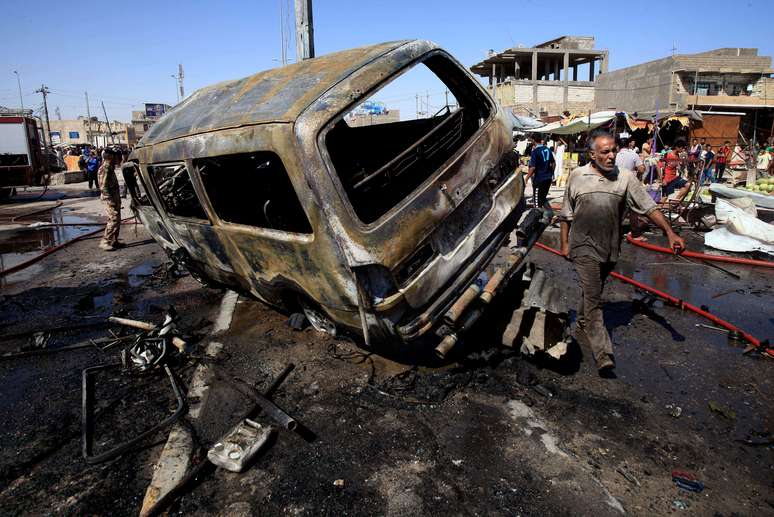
(606, 367)
(605, 362)
(106, 247)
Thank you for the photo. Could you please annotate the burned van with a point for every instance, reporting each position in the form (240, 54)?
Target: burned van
(372, 188)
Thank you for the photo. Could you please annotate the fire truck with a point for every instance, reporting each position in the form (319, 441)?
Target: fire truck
(23, 160)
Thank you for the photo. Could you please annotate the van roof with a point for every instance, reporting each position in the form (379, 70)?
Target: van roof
(276, 95)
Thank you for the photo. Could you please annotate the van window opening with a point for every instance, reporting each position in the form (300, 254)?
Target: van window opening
(387, 146)
(253, 189)
(176, 191)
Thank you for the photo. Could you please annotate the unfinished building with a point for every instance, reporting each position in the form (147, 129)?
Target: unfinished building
(545, 80)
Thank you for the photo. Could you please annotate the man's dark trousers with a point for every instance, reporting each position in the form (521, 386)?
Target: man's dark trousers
(540, 192)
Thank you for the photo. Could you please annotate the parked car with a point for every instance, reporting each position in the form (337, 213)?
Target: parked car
(397, 230)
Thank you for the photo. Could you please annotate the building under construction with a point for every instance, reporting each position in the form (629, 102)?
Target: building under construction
(547, 79)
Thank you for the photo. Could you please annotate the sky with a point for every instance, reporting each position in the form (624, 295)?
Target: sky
(125, 53)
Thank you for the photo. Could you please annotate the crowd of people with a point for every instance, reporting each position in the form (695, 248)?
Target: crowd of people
(674, 168)
(90, 158)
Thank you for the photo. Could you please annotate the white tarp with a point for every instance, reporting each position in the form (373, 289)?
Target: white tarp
(724, 208)
(577, 125)
(722, 239)
(742, 233)
(763, 200)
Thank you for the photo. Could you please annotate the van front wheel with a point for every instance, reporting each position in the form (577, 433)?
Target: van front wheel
(318, 319)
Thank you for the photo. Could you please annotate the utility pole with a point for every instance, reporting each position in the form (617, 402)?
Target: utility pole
(58, 113)
(18, 82)
(416, 108)
(88, 118)
(180, 77)
(177, 92)
(283, 50)
(304, 30)
(44, 91)
(107, 120)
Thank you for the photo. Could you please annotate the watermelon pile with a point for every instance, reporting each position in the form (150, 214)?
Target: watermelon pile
(762, 186)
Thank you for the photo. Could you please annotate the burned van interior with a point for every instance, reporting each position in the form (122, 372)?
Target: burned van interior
(176, 191)
(253, 189)
(380, 164)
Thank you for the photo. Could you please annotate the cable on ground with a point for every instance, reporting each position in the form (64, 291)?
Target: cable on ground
(682, 304)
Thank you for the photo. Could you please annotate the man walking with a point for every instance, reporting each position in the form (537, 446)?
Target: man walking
(595, 199)
(110, 195)
(541, 170)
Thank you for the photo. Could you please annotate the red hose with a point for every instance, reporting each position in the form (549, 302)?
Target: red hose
(702, 256)
(677, 302)
(49, 251)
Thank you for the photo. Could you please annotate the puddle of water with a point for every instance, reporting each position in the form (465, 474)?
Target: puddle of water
(139, 274)
(95, 303)
(17, 246)
(103, 301)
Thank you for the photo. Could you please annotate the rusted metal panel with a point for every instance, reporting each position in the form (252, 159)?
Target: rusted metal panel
(276, 95)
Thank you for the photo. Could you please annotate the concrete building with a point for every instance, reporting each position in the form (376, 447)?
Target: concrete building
(85, 131)
(731, 87)
(143, 120)
(548, 79)
(736, 78)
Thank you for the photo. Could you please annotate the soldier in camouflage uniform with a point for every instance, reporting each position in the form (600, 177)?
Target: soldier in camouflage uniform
(110, 194)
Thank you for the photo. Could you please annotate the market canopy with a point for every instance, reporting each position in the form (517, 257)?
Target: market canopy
(577, 125)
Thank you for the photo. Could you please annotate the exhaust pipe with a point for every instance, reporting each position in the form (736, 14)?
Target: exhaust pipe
(456, 310)
(446, 345)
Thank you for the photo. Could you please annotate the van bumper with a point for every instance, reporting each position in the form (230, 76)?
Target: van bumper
(463, 302)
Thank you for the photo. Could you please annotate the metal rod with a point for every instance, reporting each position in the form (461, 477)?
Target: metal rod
(269, 407)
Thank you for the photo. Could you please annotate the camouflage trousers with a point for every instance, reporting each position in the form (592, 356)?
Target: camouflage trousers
(113, 212)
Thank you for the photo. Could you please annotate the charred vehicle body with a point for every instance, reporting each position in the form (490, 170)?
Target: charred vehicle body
(396, 231)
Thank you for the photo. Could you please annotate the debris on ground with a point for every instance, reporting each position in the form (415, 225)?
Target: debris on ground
(677, 504)
(148, 352)
(626, 473)
(237, 449)
(686, 481)
(298, 321)
(722, 410)
(674, 410)
(540, 324)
